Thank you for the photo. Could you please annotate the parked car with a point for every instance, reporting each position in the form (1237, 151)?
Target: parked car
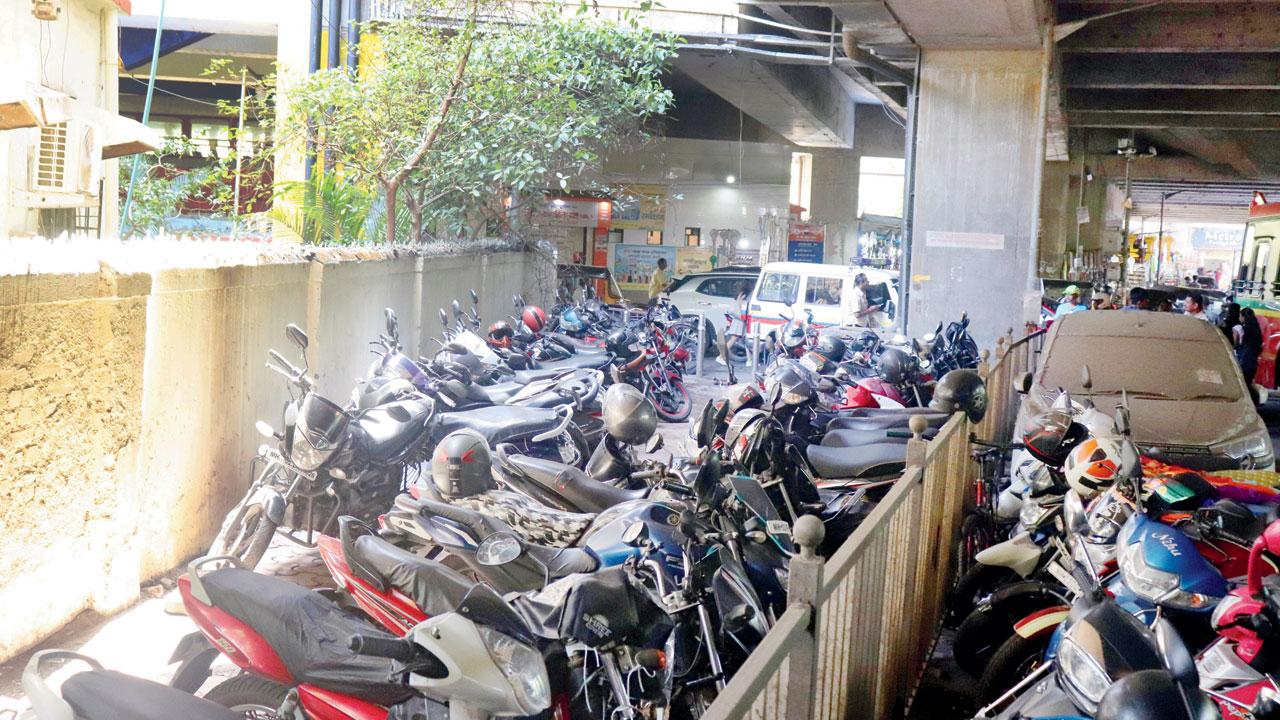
(1189, 403)
(791, 288)
(713, 293)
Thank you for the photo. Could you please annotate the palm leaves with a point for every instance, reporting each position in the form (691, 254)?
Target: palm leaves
(324, 210)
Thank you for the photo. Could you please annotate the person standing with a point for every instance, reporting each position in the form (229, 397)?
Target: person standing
(1250, 347)
(658, 281)
(1070, 302)
(1229, 323)
(1195, 306)
(861, 307)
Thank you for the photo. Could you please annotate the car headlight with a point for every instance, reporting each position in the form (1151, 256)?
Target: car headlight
(1084, 679)
(523, 667)
(1251, 451)
(1158, 586)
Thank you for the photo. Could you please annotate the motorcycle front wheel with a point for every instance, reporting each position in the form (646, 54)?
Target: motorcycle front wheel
(673, 403)
(246, 536)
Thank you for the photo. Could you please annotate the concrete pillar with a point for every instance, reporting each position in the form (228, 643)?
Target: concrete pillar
(834, 198)
(1057, 217)
(977, 134)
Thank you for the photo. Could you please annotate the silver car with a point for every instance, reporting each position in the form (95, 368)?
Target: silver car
(1189, 403)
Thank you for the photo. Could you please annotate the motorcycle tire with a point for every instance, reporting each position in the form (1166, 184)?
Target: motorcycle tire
(249, 694)
(1015, 660)
(679, 412)
(978, 639)
(252, 536)
(976, 583)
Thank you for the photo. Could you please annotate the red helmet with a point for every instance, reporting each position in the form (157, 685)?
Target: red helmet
(534, 318)
(500, 333)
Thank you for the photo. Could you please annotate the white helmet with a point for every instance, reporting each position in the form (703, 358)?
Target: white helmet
(1093, 466)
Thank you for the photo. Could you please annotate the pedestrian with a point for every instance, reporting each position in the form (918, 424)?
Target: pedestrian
(1138, 300)
(1250, 344)
(658, 281)
(1070, 302)
(1195, 306)
(1229, 323)
(863, 310)
(1166, 305)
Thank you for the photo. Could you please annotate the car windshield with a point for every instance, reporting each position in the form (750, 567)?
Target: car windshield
(778, 287)
(1152, 367)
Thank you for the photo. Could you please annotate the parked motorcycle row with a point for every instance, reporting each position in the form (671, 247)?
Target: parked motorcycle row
(1124, 587)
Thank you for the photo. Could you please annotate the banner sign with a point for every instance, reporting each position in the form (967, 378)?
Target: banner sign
(573, 212)
(692, 260)
(1207, 238)
(633, 265)
(805, 242)
(640, 207)
(972, 241)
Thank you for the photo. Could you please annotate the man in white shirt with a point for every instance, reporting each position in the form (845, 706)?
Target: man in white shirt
(863, 312)
(1195, 306)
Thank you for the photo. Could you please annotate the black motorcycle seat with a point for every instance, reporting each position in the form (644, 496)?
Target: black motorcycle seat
(109, 695)
(581, 346)
(433, 587)
(389, 429)
(580, 489)
(593, 361)
(839, 463)
(496, 394)
(860, 438)
(524, 377)
(308, 631)
(498, 423)
(894, 421)
(905, 412)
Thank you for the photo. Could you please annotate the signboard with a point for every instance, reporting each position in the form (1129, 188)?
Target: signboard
(972, 241)
(805, 242)
(693, 260)
(573, 212)
(1209, 238)
(640, 207)
(633, 265)
(1082, 215)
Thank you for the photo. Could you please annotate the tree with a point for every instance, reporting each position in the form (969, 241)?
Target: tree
(472, 110)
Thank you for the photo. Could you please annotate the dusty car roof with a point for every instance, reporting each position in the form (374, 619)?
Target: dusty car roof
(1136, 323)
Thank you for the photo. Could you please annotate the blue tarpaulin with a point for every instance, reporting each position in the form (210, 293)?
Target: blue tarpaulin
(136, 44)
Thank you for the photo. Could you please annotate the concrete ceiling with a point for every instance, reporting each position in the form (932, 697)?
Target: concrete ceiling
(1191, 78)
(952, 23)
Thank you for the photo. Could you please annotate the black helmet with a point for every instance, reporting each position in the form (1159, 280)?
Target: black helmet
(832, 347)
(894, 365)
(866, 340)
(961, 391)
(629, 416)
(1052, 435)
(460, 465)
(794, 337)
(746, 440)
(619, 343)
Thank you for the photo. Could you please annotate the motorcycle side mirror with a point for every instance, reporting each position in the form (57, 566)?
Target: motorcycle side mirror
(265, 430)
(393, 325)
(475, 299)
(654, 444)
(826, 385)
(457, 309)
(1086, 379)
(964, 320)
(915, 345)
(1023, 384)
(515, 301)
(636, 534)
(499, 549)
(454, 348)
(444, 318)
(296, 336)
(775, 395)
(1266, 706)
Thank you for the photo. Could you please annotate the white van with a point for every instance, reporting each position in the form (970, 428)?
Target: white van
(791, 288)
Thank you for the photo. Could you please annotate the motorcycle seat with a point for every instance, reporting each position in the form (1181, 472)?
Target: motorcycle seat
(308, 632)
(389, 429)
(498, 423)
(904, 412)
(524, 377)
(109, 695)
(433, 587)
(495, 394)
(574, 485)
(892, 421)
(593, 361)
(860, 438)
(857, 463)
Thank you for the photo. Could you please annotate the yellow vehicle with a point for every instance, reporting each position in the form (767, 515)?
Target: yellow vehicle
(1258, 282)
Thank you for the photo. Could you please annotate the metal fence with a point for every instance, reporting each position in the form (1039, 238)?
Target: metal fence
(860, 627)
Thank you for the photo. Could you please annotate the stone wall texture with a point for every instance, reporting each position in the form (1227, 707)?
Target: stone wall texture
(129, 402)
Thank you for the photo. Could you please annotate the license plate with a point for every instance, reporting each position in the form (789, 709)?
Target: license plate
(778, 527)
(1064, 577)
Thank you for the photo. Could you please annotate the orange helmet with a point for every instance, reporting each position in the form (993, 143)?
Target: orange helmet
(1093, 465)
(534, 318)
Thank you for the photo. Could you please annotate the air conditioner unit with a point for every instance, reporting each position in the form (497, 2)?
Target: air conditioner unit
(66, 159)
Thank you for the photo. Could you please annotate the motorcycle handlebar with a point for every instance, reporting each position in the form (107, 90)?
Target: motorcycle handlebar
(392, 648)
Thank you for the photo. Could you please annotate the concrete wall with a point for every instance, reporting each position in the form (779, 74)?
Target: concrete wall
(975, 172)
(130, 402)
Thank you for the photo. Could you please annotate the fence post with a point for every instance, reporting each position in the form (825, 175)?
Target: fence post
(917, 445)
(804, 582)
(984, 365)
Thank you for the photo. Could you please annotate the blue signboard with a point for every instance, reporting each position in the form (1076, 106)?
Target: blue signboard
(804, 251)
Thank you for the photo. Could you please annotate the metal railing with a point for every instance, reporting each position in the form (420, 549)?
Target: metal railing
(859, 628)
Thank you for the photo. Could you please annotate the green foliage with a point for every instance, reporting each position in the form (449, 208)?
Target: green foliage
(324, 210)
(163, 186)
(471, 108)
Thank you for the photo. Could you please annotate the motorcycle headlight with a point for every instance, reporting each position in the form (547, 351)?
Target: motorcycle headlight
(1083, 678)
(1158, 586)
(1029, 513)
(523, 667)
(1251, 451)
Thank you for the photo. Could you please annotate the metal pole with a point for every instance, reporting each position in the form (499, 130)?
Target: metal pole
(1160, 239)
(1079, 204)
(235, 193)
(317, 22)
(353, 36)
(908, 201)
(697, 364)
(146, 115)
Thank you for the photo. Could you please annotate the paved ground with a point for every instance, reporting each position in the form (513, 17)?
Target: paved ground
(139, 640)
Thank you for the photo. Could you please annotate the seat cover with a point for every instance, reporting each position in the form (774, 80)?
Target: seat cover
(894, 421)
(493, 394)
(572, 484)
(857, 463)
(309, 633)
(434, 588)
(593, 361)
(109, 695)
(500, 423)
(905, 412)
(860, 438)
(531, 520)
(389, 429)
